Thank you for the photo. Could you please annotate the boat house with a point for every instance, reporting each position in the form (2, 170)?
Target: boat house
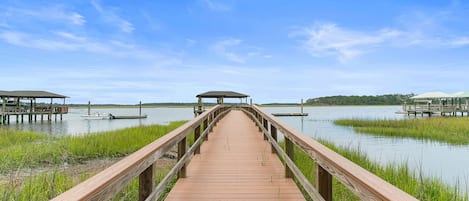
(439, 103)
(25, 103)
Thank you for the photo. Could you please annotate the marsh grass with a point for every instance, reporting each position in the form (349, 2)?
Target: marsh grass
(48, 185)
(14, 137)
(27, 150)
(39, 149)
(442, 129)
(400, 175)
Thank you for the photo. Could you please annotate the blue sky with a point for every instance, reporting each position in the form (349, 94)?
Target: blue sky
(276, 51)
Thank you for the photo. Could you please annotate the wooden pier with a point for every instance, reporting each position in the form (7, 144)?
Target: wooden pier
(21, 104)
(292, 114)
(237, 161)
(235, 164)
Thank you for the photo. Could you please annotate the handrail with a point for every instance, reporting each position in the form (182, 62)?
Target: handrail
(312, 192)
(107, 183)
(361, 182)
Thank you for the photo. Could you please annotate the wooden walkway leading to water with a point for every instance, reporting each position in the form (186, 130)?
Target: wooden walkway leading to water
(236, 163)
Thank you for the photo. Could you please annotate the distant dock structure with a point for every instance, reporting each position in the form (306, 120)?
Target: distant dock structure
(102, 116)
(438, 103)
(25, 103)
(301, 114)
(220, 96)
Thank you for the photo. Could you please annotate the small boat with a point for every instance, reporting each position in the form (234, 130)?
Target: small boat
(97, 115)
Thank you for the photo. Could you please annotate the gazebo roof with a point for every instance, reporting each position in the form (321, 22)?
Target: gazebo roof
(31, 94)
(221, 94)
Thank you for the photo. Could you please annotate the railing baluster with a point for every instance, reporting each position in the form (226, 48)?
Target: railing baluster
(266, 126)
(205, 127)
(291, 154)
(182, 149)
(273, 132)
(146, 182)
(196, 136)
(324, 183)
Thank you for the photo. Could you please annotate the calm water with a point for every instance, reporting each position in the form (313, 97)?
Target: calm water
(436, 159)
(74, 124)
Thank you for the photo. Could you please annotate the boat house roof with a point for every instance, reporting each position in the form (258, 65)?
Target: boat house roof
(433, 94)
(222, 94)
(439, 94)
(461, 94)
(31, 94)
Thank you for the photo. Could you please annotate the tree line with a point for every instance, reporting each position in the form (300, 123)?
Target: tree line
(387, 99)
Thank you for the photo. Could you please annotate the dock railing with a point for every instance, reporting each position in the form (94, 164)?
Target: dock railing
(329, 164)
(109, 182)
(141, 163)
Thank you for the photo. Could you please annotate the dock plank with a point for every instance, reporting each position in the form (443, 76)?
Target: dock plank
(235, 164)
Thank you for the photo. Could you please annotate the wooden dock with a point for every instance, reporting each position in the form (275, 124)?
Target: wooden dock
(290, 114)
(236, 164)
(238, 160)
(128, 116)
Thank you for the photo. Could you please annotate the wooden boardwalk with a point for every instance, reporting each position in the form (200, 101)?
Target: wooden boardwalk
(235, 164)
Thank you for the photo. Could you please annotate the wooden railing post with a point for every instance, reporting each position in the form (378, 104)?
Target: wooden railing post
(273, 132)
(182, 149)
(205, 127)
(196, 137)
(266, 126)
(291, 154)
(324, 183)
(146, 182)
(210, 117)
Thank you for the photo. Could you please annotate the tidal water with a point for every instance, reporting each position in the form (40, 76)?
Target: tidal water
(448, 162)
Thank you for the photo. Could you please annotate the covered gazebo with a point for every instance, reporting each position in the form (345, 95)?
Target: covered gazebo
(219, 95)
(24, 103)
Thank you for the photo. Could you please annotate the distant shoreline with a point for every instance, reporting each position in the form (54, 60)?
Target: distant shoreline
(76, 106)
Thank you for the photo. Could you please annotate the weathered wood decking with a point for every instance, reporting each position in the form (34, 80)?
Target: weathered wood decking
(236, 163)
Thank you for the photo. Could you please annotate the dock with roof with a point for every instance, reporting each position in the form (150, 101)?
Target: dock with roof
(438, 103)
(21, 104)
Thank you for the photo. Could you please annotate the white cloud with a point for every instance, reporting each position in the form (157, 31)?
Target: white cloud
(69, 42)
(461, 41)
(222, 48)
(331, 40)
(56, 13)
(235, 50)
(69, 36)
(216, 6)
(110, 16)
(76, 18)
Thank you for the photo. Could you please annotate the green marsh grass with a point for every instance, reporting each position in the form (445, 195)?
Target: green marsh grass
(45, 186)
(400, 175)
(32, 150)
(448, 130)
(74, 149)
